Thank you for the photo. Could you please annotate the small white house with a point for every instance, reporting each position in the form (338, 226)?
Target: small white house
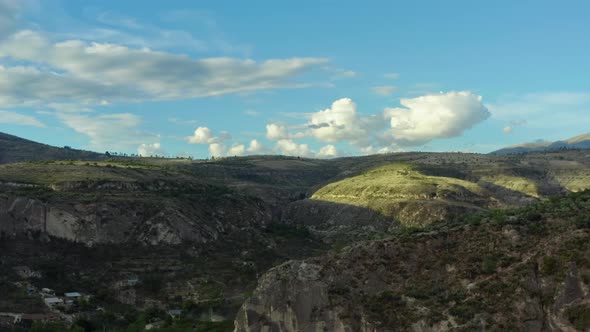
(154, 325)
(175, 313)
(53, 301)
(48, 292)
(132, 281)
(72, 296)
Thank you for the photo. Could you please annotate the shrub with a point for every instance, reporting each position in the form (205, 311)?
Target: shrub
(467, 310)
(389, 309)
(498, 216)
(550, 266)
(579, 316)
(489, 264)
(48, 327)
(289, 231)
(532, 215)
(583, 222)
(339, 290)
(153, 283)
(223, 326)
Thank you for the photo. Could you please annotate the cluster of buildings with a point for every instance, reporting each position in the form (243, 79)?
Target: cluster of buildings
(62, 307)
(53, 301)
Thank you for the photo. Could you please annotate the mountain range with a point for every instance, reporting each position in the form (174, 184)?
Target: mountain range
(402, 241)
(578, 142)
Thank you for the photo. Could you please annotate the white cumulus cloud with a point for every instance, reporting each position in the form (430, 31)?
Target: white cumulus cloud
(153, 149)
(422, 119)
(236, 150)
(328, 151)
(216, 150)
(255, 146)
(435, 116)
(202, 135)
(276, 132)
(291, 148)
(340, 122)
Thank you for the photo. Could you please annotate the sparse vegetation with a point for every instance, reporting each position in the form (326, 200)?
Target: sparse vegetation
(479, 273)
(514, 183)
(579, 316)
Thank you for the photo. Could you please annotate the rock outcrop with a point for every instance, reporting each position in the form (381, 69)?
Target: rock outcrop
(130, 220)
(527, 270)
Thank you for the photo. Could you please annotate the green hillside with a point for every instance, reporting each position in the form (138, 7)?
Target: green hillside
(421, 191)
(393, 188)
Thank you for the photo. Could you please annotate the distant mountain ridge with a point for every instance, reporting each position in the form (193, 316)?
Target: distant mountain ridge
(15, 149)
(577, 142)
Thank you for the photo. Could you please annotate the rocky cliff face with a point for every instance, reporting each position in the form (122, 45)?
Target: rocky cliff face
(351, 198)
(293, 297)
(131, 220)
(527, 270)
(336, 222)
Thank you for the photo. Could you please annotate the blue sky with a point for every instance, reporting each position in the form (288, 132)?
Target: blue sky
(312, 78)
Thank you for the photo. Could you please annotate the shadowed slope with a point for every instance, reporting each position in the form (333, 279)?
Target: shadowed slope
(16, 149)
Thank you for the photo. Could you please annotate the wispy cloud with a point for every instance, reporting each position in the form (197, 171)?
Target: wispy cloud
(339, 74)
(560, 111)
(10, 11)
(182, 121)
(391, 76)
(9, 117)
(423, 88)
(131, 32)
(105, 131)
(212, 33)
(384, 90)
(75, 71)
(252, 113)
